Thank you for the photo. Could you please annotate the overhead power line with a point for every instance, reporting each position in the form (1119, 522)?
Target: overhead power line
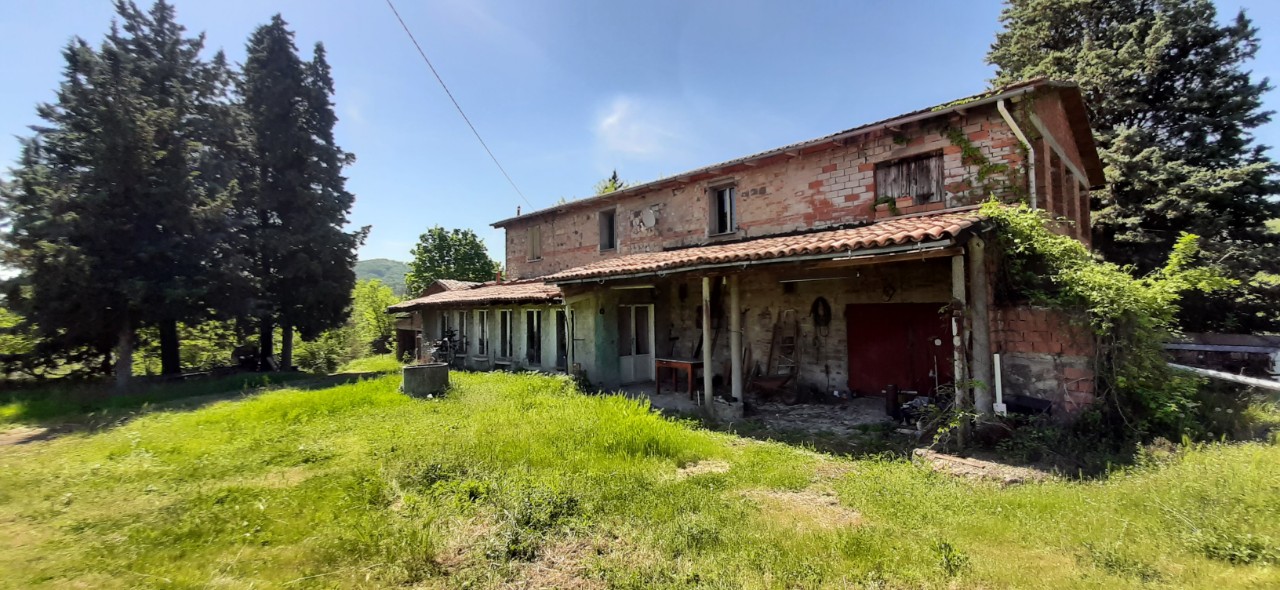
(455, 102)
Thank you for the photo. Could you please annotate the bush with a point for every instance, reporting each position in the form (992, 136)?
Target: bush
(1131, 318)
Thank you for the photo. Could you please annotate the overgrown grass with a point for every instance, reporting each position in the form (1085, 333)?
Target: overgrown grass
(520, 479)
(61, 399)
(382, 363)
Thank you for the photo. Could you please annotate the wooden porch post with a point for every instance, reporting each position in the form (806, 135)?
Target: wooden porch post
(706, 345)
(958, 341)
(982, 372)
(735, 339)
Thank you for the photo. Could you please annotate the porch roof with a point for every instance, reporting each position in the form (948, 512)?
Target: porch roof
(531, 291)
(917, 230)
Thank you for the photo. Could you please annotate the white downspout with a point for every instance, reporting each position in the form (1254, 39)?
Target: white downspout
(1017, 132)
(999, 406)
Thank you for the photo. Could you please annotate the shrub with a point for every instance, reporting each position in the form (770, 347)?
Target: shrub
(1130, 317)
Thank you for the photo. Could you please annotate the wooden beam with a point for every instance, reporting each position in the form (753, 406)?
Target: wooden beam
(856, 260)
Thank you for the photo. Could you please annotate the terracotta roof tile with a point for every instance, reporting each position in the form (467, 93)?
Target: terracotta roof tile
(454, 285)
(482, 294)
(895, 231)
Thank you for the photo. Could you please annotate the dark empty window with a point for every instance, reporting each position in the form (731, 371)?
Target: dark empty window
(533, 336)
(919, 177)
(504, 334)
(722, 210)
(608, 235)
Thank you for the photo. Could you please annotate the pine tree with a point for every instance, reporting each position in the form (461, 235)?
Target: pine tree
(304, 259)
(1173, 110)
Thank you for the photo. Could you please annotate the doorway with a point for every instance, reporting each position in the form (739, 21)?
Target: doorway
(635, 343)
(906, 345)
(562, 341)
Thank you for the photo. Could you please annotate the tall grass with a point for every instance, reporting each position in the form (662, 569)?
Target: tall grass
(521, 479)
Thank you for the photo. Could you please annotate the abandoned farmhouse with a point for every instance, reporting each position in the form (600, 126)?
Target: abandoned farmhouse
(856, 263)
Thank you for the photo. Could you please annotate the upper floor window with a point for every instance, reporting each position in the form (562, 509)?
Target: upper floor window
(724, 210)
(608, 230)
(918, 177)
(535, 243)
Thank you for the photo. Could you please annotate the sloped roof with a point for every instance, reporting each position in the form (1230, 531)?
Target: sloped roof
(455, 285)
(531, 291)
(1069, 90)
(890, 232)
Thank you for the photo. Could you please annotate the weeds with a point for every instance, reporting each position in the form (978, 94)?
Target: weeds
(360, 486)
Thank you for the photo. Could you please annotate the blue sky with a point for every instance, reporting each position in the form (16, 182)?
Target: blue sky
(566, 91)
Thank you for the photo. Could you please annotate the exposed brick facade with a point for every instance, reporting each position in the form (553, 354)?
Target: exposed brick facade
(1047, 354)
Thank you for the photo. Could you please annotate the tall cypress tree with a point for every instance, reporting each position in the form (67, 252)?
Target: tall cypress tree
(1173, 109)
(304, 259)
(112, 226)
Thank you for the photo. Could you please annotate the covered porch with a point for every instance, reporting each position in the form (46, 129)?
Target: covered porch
(850, 323)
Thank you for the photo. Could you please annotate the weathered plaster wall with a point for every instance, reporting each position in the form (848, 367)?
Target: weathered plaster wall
(823, 353)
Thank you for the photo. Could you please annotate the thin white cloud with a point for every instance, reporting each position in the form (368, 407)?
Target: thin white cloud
(642, 129)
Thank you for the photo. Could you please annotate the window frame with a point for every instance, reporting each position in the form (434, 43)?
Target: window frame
(506, 322)
(533, 335)
(714, 209)
(612, 214)
(482, 332)
(533, 251)
(938, 184)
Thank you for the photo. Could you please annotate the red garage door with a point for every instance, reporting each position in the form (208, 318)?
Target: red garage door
(901, 344)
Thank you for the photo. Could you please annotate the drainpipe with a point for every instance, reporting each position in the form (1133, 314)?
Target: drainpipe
(1017, 131)
(1000, 408)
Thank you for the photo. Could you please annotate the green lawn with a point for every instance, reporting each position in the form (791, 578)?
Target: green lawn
(519, 480)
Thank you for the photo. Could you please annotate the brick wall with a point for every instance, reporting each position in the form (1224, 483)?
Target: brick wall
(1045, 354)
(786, 193)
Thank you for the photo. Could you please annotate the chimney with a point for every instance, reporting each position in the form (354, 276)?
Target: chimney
(497, 276)
(517, 211)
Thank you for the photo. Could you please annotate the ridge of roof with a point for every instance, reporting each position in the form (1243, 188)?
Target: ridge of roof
(971, 101)
(523, 290)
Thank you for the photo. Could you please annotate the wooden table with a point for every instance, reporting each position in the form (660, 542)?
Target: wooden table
(690, 366)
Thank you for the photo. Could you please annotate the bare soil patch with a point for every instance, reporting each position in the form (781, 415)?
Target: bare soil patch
(703, 467)
(985, 469)
(806, 509)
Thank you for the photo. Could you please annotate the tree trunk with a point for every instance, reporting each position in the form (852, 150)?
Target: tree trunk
(286, 345)
(265, 346)
(170, 354)
(124, 357)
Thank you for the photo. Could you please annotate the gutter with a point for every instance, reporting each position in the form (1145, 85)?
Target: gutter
(998, 99)
(743, 264)
(1017, 131)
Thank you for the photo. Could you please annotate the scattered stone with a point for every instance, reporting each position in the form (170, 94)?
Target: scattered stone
(981, 469)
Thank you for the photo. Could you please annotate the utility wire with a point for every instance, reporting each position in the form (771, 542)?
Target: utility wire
(455, 102)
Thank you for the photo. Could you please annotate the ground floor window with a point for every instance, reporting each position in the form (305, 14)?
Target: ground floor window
(463, 331)
(504, 333)
(482, 332)
(533, 336)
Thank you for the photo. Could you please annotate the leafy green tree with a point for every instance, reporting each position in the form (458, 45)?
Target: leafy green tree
(113, 228)
(448, 254)
(369, 314)
(303, 258)
(1173, 110)
(610, 184)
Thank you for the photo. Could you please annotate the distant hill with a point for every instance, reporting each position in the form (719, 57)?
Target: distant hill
(390, 272)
